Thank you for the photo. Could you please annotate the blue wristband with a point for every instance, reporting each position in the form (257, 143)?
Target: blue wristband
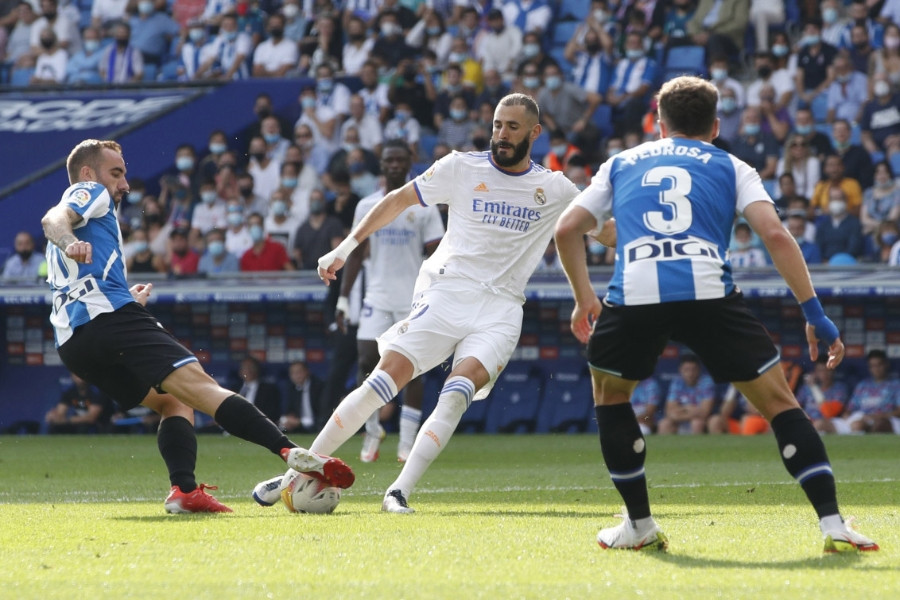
(815, 315)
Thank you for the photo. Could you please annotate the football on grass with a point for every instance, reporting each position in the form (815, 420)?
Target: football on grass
(304, 494)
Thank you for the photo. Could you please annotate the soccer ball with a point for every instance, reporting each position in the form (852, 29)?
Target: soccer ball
(304, 494)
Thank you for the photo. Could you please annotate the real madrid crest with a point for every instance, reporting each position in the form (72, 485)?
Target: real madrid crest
(539, 198)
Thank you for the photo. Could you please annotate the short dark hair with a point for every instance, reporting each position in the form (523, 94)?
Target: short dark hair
(88, 153)
(878, 353)
(519, 99)
(687, 105)
(396, 143)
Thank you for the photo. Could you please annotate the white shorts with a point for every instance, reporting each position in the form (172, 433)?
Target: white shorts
(375, 321)
(466, 323)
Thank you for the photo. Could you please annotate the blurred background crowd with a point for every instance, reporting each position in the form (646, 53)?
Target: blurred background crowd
(808, 96)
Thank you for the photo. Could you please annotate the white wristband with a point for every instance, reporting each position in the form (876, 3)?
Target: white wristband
(343, 305)
(345, 248)
(341, 252)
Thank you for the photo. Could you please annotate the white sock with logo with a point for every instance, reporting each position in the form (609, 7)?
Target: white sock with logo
(435, 433)
(377, 390)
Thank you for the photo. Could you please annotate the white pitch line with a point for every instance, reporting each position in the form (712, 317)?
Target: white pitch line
(75, 497)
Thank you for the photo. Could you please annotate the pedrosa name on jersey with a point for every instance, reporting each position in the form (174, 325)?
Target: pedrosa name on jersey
(648, 248)
(652, 150)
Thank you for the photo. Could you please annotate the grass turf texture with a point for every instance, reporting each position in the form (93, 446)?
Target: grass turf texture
(497, 517)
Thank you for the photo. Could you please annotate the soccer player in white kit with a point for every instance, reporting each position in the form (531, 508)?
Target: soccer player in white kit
(673, 202)
(469, 294)
(395, 254)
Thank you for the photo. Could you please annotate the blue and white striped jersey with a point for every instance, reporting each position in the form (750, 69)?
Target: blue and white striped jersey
(83, 291)
(674, 201)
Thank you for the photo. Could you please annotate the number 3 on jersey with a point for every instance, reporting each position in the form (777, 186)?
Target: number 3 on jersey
(674, 197)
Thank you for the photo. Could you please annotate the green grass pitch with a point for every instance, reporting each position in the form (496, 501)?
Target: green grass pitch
(497, 517)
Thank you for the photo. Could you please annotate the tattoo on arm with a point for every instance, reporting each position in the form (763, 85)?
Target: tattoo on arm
(58, 226)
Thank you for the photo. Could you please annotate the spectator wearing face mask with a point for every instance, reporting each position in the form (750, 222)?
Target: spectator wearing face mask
(834, 178)
(318, 235)
(403, 126)
(280, 224)
(857, 162)
(275, 56)
(121, 62)
(237, 236)
(848, 92)
(25, 263)
(498, 47)
(216, 259)
(881, 202)
(456, 130)
(209, 213)
(729, 113)
(265, 254)
(140, 258)
(838, 231)
(796, 225)
(885, 238)
(152, 32)
(880, 121)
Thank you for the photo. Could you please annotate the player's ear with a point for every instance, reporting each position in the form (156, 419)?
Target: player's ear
(86, 173)
(536, 131)
(715, 129)
(663, 128)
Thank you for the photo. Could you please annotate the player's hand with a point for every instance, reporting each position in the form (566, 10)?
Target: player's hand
(329, 265)
(583, 318)
(341, 312)
(835, 350)
(80, 251)
(141, 292)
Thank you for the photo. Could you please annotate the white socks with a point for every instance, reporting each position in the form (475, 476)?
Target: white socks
(373, 423)
(831, 523)
(409, 425)
(455, 397)
(377, 390)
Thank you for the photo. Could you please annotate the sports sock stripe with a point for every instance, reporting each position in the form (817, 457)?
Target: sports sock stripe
(813, 470)
(627, 475)
(381, 388)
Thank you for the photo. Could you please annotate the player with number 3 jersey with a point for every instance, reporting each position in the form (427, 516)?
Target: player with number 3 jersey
(673, 202)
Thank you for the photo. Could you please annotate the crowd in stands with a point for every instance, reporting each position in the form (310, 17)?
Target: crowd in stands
(693, 404)
(809, 96)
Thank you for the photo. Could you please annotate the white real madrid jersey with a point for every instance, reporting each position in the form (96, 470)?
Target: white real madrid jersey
(674, 201)
(499, 222)
(83, 291)
(396, 252)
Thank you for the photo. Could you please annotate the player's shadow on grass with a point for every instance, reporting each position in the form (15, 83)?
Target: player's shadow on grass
(834, 562)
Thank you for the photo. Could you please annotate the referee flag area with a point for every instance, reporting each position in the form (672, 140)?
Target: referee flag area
(502, 516)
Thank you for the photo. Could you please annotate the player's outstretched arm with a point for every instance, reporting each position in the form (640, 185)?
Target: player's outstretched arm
(57, 225)
(573, 224)
(789, 261)
(387, 209)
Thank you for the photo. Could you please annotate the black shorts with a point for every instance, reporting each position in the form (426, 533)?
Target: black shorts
(728, 338)
(125, 353)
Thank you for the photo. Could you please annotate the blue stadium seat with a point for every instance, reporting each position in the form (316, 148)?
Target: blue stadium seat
(427, 142)
(690, 60)
(602, 119)
(541, 146)
(150, 72)
(820, 108)
(20, 77)
(169, 71)
(563, 31)
(574, 9)
(558, 54)
(769, 186)
(568, 402)
(894, 161)
(515, 400)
